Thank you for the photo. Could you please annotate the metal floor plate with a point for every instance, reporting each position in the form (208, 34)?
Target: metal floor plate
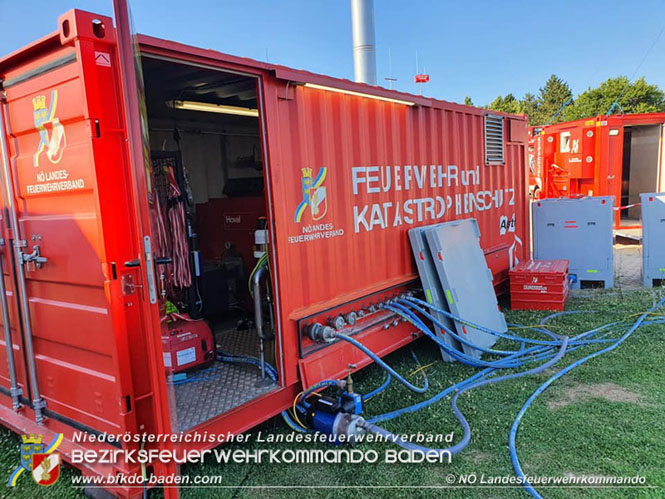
(225, 386)
(238, 342)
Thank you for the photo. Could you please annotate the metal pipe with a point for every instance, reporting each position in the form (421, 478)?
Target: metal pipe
(38, 403)
(15, 390)
(256, 294)
(258, 315)
(262, 359)
(364, 45)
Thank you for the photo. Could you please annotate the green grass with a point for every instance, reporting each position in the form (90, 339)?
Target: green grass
(588, 436)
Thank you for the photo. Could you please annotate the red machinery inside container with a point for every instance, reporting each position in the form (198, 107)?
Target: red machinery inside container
(191, 345)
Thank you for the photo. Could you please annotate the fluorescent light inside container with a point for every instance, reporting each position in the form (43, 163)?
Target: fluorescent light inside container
(359, 94)
(208, 107)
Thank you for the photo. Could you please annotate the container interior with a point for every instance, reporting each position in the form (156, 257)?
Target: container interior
(208, 200)
(641, 162)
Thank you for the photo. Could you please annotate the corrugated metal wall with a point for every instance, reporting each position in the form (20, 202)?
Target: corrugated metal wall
(360, 244)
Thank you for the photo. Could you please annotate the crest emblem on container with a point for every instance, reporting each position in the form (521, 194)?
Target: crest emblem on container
(314, 195)
(51, 132)
(45, 469)
(38, 459)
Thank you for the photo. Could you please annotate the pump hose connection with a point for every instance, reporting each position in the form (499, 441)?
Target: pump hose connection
(338, 417)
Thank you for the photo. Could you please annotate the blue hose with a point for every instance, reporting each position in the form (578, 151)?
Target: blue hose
(244, 359)
(520, 339)
(292, 424)
(462, 339)
(382, 364)
(378, 390)
(272, 373)
(513, 430)
(212, 373)
(458, 414)
(439, 324)
(478, 326)
(426, 403)
(544, 350)
(545, 353)
(545, 320)
(462, 357)
(467, 429)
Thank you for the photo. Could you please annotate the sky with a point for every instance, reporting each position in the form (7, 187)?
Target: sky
(476, 48)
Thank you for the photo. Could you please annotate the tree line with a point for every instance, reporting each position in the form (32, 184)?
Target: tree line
(547, 106)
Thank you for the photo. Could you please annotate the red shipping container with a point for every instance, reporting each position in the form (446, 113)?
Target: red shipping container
(539, 285)
(616, 155)
(348, 170)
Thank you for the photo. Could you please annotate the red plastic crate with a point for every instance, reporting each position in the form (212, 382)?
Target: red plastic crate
(539, 285)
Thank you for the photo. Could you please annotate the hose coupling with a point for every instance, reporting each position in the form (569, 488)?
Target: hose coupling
(320, 333)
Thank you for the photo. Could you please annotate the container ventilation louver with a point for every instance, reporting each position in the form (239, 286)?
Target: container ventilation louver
(494, 140)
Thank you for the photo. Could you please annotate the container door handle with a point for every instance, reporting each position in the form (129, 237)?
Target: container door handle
(150, 270)
(34, 257)
(158, 261)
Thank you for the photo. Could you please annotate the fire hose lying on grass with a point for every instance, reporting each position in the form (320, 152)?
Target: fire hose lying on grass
(341, 415)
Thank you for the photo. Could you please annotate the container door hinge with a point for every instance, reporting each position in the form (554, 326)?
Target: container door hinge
(32, 258)
(16, 393)
(38, 406)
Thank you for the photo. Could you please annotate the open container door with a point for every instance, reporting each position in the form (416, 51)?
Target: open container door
(84, 315)
(154, 329)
